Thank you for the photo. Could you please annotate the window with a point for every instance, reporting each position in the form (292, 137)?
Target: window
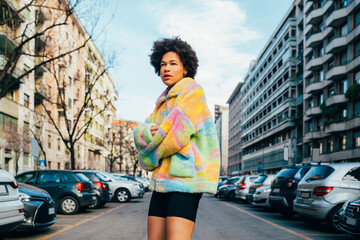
(28, 178)
(26, 129)
(344, 30)
(330, 145)
(321, 75)
(357, 77)
(343, 58)
(49, 141)
(58, 143)
(8, 123)
(353, 175)
(10, 95)
(357, 18)
(343, 86)
(357, 48)
(357, 139)
(26, 100)
(342, 142)
(357, 109)
(26, 161)
(49, 177)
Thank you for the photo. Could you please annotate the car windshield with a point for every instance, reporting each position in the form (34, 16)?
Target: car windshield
(92, 177)
(318, 173)
(103, 177)
(261, 179)
(287, 172)
(231, 181)
(82, 176)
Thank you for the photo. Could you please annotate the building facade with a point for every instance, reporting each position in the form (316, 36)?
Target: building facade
(331, 76)
(222, 130)
(62, 83)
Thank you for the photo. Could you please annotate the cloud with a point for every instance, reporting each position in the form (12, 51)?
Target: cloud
(218, 32)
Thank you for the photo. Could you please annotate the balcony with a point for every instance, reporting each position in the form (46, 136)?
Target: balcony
(340, 98)
(340, 72)
(308, 5)
(316, 63)
(316, 38)
(316, 15)
(339, 16)
(41, 92)
(314, 135)
(343, 126)
(316, 86)
(313, 111)
(336, 45)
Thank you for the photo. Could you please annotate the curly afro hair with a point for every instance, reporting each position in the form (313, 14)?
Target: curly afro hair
(183, 49)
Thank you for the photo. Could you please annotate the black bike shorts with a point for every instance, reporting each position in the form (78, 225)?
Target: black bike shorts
(174, 204)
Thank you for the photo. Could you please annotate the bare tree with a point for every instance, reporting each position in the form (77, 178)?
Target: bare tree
(18, 143)
(133, 154)
(113, 143)
(36, 131)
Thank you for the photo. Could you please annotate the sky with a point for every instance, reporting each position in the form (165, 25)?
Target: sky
(225, 34)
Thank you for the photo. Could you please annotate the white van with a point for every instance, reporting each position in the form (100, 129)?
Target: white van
(11, 208)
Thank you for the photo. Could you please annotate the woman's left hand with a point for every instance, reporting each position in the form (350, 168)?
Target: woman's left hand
(154, 129)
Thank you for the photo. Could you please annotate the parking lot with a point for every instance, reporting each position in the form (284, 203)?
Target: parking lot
(217, 219)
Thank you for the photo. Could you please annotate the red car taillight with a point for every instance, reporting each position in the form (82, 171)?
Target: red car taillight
(81, 186)
(322, 191)
(100, 184)
(14, 183)
(261, 185)
(243, 186)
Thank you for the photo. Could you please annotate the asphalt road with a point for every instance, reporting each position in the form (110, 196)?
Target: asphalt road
(217, 219)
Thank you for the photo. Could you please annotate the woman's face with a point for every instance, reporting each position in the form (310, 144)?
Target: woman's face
(171, 69)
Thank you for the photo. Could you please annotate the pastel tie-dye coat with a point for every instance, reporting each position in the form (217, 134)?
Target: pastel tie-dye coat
(184, 152)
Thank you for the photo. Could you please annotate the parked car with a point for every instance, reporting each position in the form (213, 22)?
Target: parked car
(222, 179)
(11, 208)
(242, 187)
(122, 191)
(227, 190)
(39, 207)
(261, 197)
(143, 183)
(323, 191)
(349, 217)
(68, 190)
(284, 188)
(101, 188)
(262, 180)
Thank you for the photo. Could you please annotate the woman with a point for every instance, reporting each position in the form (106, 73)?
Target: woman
(178, 143)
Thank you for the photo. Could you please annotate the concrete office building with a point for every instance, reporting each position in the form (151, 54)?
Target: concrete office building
(222, 130)
(268, 103)
(329, 52)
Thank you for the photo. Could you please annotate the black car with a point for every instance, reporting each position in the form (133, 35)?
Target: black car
(101, 188)
(227, 190)
(349, 217)
(39, 207)
(284, 188)
(69, 191)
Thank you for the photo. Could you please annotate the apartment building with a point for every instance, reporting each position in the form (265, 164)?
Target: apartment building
(222, 131)
(64, 85)
(234, 144)
(331, 76)
(268, 103)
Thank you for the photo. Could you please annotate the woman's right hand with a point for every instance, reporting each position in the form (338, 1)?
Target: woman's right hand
(154, 129)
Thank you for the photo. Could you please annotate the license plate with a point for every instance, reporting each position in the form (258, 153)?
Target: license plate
(305, 194)
(350, 221)
(276, 190)
(4, 190)
(93, 197)
(51, 211)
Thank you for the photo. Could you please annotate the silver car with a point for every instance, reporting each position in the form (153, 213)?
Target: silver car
(122, 191)
(262, 180)
(242, 187)
(323, 191)
(261, 196)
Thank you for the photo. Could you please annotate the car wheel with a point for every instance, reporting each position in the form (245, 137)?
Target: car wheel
(69, 205)
(231, 196)
(122, 195)
(333, 219)
(95, 204)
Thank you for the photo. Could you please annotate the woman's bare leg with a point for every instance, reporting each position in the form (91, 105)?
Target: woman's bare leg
(156, 228)
(179, 228)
